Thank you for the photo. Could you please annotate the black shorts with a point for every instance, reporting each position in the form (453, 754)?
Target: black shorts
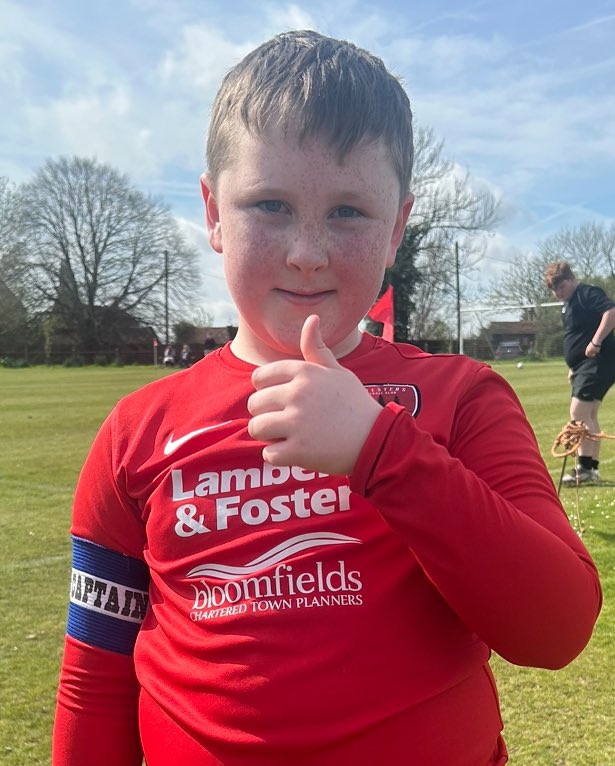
(592, 378)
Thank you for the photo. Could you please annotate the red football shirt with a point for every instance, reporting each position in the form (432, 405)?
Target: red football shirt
(301, 618)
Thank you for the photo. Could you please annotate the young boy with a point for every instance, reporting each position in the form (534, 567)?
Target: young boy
(588, 315)
(312, 578)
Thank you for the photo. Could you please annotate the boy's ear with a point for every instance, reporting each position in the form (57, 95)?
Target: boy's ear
(399, 228)
(212, 214)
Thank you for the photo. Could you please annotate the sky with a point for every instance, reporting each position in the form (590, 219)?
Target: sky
(521, 93)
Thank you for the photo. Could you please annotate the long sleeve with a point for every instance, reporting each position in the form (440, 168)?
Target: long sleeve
(96, 714)
(482, 518)
(96, 719)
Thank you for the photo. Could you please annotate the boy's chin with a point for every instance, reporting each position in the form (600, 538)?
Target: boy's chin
(286, 347)
(264, 348)
(284, 342)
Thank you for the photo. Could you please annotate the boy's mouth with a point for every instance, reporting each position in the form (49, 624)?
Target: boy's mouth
(304, 298)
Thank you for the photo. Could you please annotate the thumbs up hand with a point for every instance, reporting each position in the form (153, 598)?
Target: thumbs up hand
(312, 413)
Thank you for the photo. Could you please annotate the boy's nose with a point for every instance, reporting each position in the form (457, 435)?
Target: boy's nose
(308, 251)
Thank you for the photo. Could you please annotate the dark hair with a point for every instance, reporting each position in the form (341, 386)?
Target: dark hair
(310, 85)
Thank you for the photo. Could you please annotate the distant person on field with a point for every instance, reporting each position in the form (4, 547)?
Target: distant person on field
(302, 550)
(589, 351)
(168, 360)
(184, 357)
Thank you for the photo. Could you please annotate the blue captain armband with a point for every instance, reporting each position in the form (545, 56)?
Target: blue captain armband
(108, 597)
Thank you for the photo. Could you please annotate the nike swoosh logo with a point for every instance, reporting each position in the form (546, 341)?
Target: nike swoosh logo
(174, 444)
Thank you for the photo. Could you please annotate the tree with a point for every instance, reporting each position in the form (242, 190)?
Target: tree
(589, 249)
(95, 251)
(184, 332)
(9, 219)
(522, 283)
(446, 210)
(405, 277)
(15, 329)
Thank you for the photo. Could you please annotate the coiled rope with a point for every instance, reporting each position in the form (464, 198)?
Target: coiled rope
(570, 437)
(567, 442)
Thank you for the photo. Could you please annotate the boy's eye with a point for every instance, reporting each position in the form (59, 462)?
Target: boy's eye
(271, 206)
(346, 211)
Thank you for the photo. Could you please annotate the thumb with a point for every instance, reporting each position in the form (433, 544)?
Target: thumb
(313, 346)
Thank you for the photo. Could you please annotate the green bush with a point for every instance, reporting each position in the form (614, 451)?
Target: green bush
(74, 361)
(14, 364)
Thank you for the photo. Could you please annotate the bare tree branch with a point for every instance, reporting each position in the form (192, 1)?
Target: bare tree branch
(447, 209)
(95, 242)
(589, 249)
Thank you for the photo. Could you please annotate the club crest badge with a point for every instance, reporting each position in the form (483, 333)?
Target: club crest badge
(405, 394)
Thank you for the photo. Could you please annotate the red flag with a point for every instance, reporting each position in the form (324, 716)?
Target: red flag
(382, 311)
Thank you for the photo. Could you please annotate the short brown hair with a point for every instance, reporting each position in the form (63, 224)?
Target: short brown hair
(558, 272)
(311, 85)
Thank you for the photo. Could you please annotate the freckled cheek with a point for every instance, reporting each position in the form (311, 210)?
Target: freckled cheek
(249, 244)
(362, 251)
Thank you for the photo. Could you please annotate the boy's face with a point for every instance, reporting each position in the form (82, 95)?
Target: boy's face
(302, 233)
(564, 289)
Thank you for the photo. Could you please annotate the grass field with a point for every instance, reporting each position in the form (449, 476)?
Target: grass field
(48, 417)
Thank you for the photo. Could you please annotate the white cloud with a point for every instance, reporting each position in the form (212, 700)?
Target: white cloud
(443, 57)
(201, 60)
(102, 125)
(526, 117)
(29, 31)
(288, 17)
(12, 69)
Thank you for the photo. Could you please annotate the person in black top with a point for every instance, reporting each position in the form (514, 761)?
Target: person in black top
(589, 351)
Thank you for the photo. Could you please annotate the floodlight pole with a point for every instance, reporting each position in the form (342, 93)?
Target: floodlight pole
(166, 297)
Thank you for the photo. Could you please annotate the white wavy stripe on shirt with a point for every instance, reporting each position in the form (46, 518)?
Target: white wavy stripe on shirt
(281, 552)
